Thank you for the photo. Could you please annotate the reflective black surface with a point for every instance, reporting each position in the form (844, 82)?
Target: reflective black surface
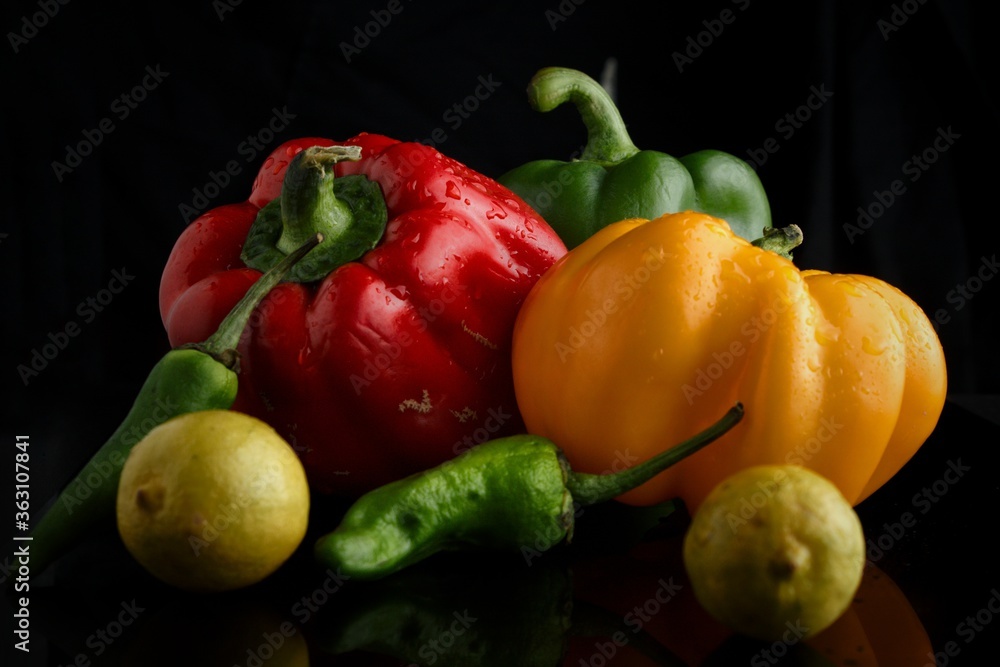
(618, 595)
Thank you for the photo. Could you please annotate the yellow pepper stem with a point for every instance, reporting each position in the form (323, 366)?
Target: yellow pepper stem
(590, 489)
(780, 240)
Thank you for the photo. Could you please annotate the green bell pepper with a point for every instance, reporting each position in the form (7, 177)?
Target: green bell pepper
(613, 180)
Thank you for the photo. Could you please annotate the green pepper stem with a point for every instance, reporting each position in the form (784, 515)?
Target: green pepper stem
(608, 141)
(588, 489)
(349, 211)
(780, 240)
(222, 344)
(308, 203)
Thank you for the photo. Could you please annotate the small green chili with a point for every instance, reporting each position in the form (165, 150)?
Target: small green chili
(199, 376)
(507, 493)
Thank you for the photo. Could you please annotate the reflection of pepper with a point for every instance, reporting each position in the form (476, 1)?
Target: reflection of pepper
(510, 493)
(614, 180)
(453, 616)
(377, 362)
(880, 627)
(196, 376)
(647, 587)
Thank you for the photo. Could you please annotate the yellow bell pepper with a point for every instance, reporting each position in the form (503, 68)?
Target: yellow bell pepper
(648, 331)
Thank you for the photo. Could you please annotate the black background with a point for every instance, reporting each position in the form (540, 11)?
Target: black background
(895, 88)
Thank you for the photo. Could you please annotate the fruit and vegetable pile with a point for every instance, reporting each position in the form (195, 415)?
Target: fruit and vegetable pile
(468, 360)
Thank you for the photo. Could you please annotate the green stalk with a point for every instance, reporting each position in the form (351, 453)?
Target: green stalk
(588, 489)
(222, 344)
(608, 141)
(780, 240)
(350, 212)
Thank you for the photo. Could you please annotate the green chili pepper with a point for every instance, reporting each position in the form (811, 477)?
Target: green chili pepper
(516, 492)
(613, 180)
(200, 376)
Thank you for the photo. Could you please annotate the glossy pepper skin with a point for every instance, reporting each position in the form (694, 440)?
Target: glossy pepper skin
(396, 358)
(613, 180)
(646, 329)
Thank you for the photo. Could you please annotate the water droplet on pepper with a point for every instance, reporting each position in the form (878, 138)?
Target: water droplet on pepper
(870, 347)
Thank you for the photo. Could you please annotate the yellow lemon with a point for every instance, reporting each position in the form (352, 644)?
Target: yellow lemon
(775, 552)
(212, 500)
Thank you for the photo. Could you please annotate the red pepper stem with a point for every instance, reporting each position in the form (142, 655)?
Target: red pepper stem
(349, 211)
(223, 343)
(608, 141)
(308, 203)
(588, 489)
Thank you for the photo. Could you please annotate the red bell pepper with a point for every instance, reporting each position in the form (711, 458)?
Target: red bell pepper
(390, 351)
